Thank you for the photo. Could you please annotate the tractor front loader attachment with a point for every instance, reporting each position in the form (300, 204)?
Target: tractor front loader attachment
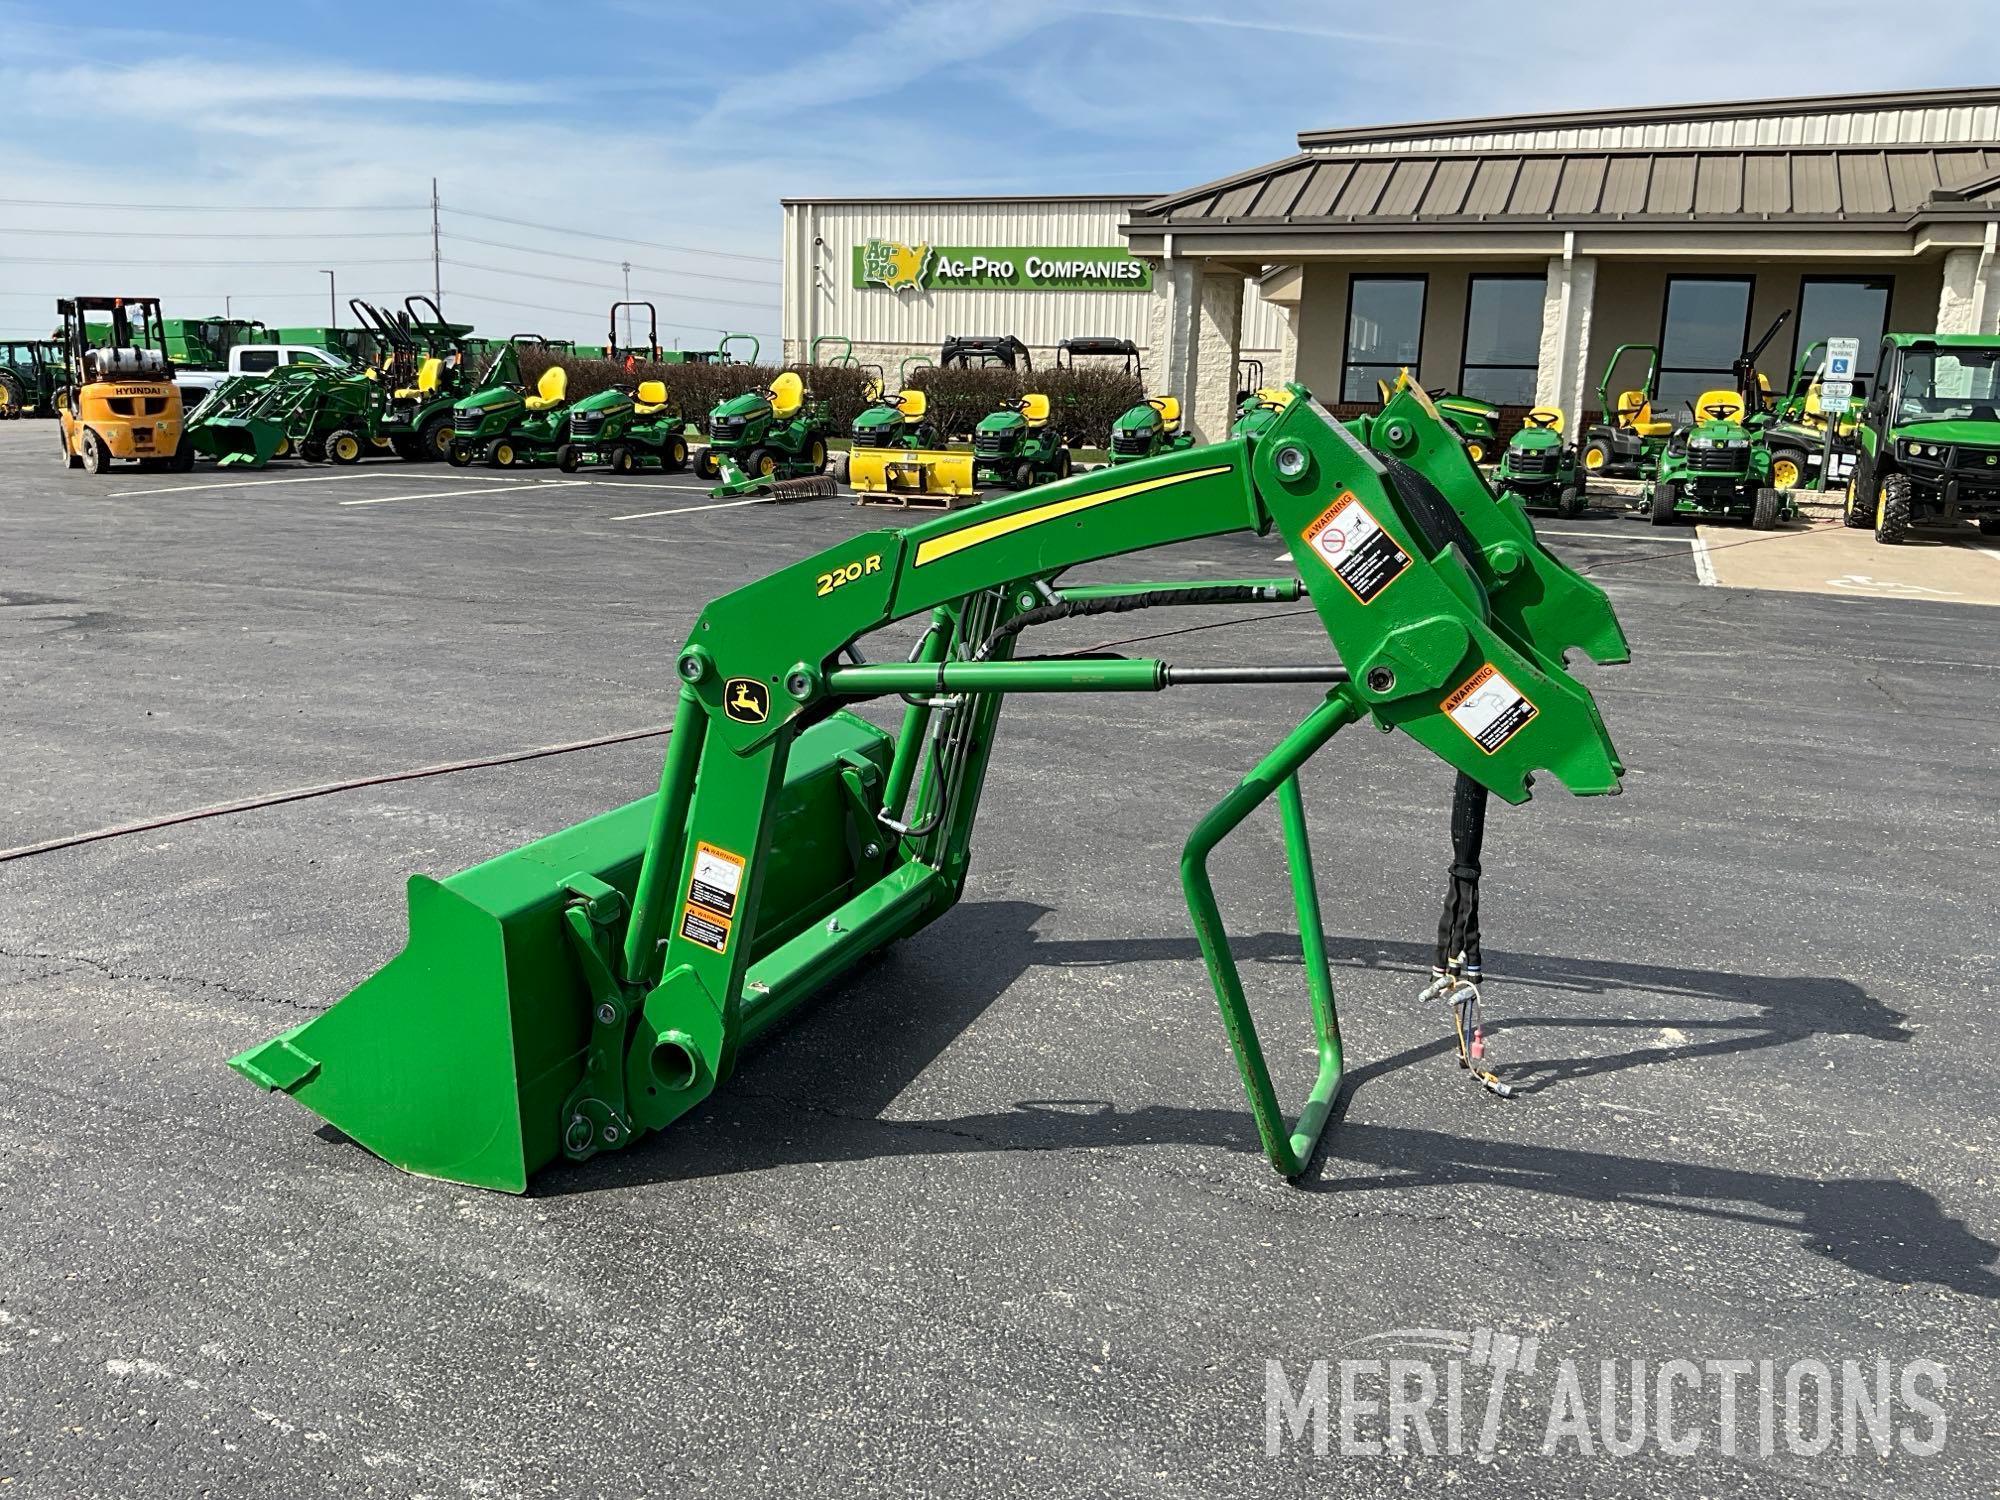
(570, 997)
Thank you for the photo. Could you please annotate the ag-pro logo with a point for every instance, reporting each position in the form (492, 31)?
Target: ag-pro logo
(895, 265)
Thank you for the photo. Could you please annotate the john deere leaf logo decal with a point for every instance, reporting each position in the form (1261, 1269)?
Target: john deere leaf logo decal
(893, 264)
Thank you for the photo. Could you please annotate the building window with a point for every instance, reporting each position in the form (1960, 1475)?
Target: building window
(1832, 307)
(1707, 325)
(1385, 331)
(1503, 338)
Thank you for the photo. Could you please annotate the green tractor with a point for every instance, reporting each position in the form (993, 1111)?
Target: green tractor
(1539, 469)
(1716, 467)
(1630, 439)
(358, 344)
(771, 441)
(204, 343)
(1019, 446)
(31, 371)
(1929, 437)
(1149, 429)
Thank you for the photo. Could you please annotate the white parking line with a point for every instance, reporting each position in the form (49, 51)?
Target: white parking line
(231, 484)
(644, 515)
(641, 484)
(526, 484)
(1704, 566)
(1991, 554)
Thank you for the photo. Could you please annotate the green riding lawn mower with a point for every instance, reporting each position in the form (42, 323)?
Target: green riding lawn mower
(1476, 422)
(1929, 437)
(627, 431)
(771, 442)
(1629, 441)
(1149, 429)
(575, 996)
(1539, 469)
(1716, 468)
(1020, 445)
(506, 426)
(31, 372)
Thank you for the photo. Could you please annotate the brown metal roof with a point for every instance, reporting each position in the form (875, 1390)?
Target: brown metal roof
(1853, 185)
(1655, 114)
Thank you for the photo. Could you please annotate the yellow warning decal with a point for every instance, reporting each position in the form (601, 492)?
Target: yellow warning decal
(715, 890)
(1489, 708)
(986, 531)
(1349, 540)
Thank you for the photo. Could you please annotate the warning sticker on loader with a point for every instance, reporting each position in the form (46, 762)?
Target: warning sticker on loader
(716, 881)
(698, 927)
(1352, 543)
(1489, 708)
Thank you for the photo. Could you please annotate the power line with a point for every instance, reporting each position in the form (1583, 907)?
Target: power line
(467, 239)
(216, 234)
(574, 312)
(223, 208)
(616, 239)
(317, 262)
(596, 286)
(201, 292)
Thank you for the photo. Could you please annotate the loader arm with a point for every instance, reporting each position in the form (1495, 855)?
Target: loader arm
(602, 982)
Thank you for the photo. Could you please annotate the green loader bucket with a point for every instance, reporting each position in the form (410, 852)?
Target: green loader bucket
(454, 1060)
(245, 442)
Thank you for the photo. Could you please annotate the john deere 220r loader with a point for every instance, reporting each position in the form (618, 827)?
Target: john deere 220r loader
(595, 986)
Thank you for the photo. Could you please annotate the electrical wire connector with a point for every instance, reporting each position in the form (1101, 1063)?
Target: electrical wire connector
(1460, 990)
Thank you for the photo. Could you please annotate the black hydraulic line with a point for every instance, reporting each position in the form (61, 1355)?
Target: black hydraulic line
(1458, 925)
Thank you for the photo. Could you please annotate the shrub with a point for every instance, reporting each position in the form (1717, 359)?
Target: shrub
(1084, 401)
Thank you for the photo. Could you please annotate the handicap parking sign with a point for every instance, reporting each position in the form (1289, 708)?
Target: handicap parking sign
(1841, 366)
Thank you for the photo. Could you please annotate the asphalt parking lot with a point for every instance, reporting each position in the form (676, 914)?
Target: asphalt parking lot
(990, 1218)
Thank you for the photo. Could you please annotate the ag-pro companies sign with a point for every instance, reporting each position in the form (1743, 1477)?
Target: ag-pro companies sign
(1003, 268)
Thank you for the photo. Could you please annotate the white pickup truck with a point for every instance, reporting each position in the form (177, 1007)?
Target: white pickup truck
(253, 359)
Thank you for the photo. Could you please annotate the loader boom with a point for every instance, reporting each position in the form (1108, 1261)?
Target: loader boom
(564, 999)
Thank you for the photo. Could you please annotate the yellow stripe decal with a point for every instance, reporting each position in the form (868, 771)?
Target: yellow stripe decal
(971, 536)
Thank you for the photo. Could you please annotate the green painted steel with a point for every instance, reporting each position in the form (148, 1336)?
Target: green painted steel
(596, 985)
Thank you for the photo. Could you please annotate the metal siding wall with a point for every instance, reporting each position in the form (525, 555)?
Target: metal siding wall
(922, 320)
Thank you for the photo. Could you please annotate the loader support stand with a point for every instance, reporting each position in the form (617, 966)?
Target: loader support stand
(1289, 1150)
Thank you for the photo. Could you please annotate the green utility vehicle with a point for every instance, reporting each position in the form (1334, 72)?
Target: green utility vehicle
(984, 351)
(31, 371)
(760, 439)
(1149, 429)
(1929, 436)
(1539, 469)
(1715, 468)
(1630, 439)
(1019, 445)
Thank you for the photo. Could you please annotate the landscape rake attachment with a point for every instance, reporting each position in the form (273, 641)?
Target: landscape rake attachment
(574, 995)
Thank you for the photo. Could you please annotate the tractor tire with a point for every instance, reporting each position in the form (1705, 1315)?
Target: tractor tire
(434, 437)
(1024, 476)
(1475, 449)
(1892, 509)
(843, 468)
(502, 454)
(675, 455)
(1596, 456)
(1788, 468)
(623, 459)
(460, 455)
(1764, 513)
(1857, 513)
(284, 448)
(344, 446)
(1665, 497)
(96, 457)
(705, 465)
(11, 395)
(1572, 502)
(760, 463)
(816, 455)
(183, 460)
(313, 450)
(409, 447)
(1063, 463)
(569, 458)
(1989, 525)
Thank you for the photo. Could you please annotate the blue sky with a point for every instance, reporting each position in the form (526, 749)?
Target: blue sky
(679, 126)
